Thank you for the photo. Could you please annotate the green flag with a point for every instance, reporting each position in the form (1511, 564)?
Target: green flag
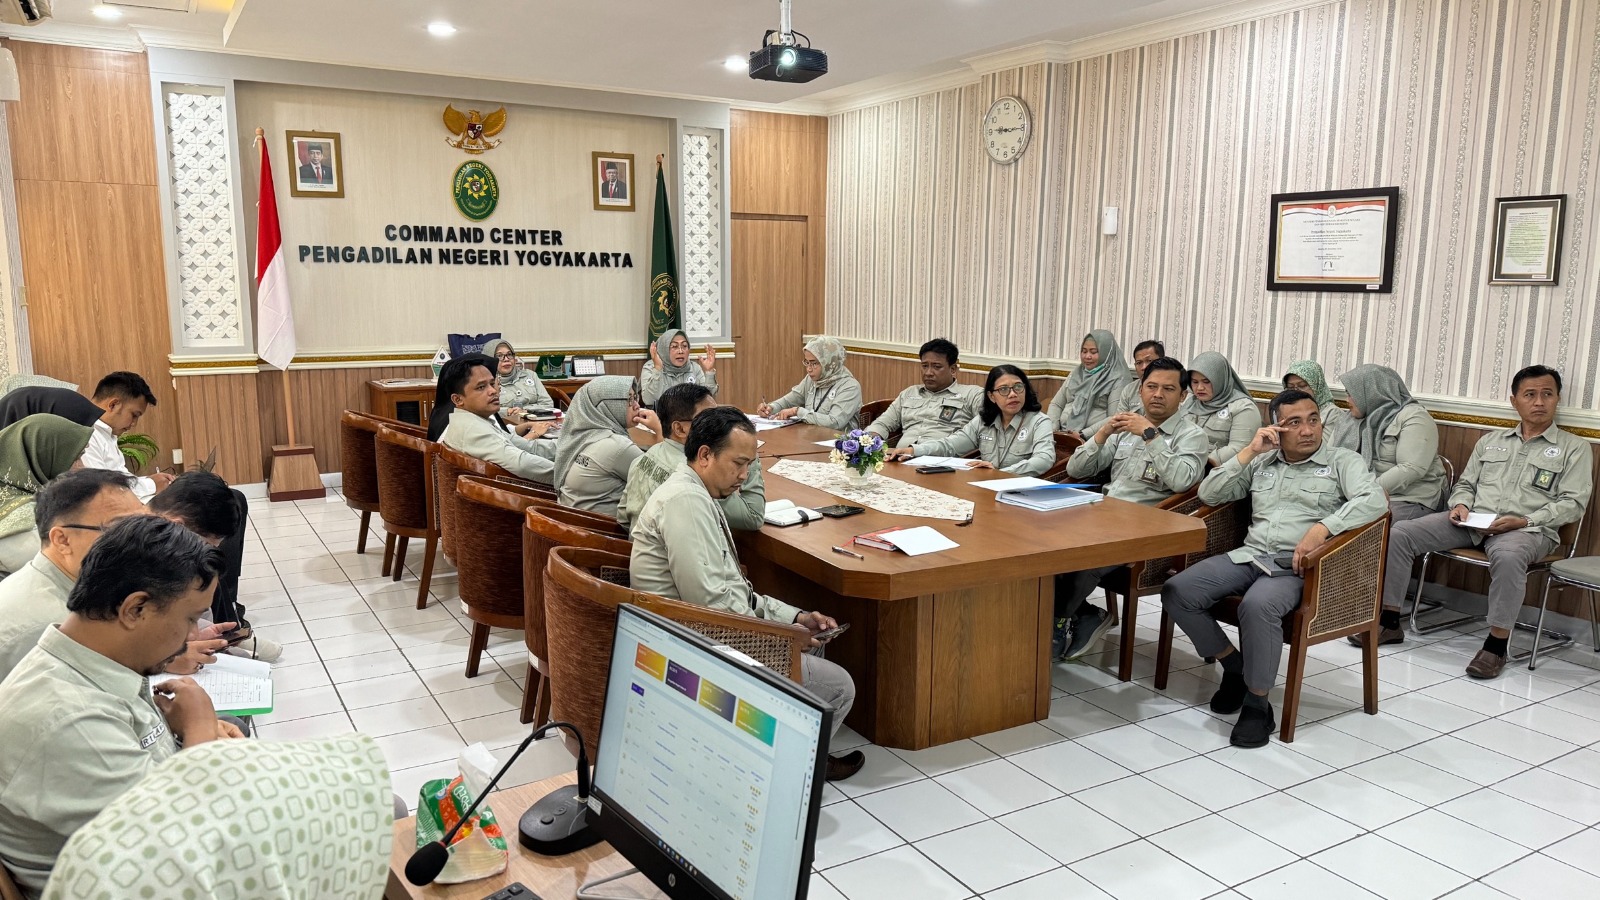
(664, 310)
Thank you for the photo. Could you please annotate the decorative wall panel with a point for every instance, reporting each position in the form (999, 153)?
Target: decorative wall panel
(701, 266)
(202, 216)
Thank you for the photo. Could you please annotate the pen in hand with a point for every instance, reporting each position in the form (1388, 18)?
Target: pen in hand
(848, 552)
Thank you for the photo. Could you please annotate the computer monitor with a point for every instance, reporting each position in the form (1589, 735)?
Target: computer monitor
(710, 773)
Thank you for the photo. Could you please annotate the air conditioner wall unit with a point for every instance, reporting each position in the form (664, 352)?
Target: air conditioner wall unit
(24, 12)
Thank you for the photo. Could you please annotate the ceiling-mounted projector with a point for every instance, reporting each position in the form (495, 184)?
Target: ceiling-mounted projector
(781, 58)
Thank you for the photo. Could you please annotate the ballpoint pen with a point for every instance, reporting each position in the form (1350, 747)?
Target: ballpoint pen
(848, 552)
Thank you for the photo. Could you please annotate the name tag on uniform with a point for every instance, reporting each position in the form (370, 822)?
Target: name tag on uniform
(1325, 471)
(947, 414)
(1552, 452)
(1022, 435)
(1149, 476)
(149, 740)
(1544, 479)
(1223, 414)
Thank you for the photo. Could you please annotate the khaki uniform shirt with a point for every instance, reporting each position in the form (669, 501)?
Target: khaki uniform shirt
(598, 474)
(1027, 447)
(745, 509)
(1229, 429)
(836, 406)
(923, 415)
(682, 549)
(1339, 427)
(1407, 458)
(1146, 472)
(1123, 399)
(1332, 486)
(481, 438)
(654, 382)
(1546, 479)
(31, 601)
(79, 730)
(526, 392)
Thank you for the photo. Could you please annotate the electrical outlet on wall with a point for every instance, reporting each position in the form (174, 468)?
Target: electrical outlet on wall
(177, 457)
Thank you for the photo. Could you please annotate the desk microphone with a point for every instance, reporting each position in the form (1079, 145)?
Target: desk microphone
(568, 815)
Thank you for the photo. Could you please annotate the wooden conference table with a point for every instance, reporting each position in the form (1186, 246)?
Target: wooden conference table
(952, 644)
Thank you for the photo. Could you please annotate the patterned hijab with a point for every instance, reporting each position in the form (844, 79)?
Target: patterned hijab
(598, 409)
(312, 819)
(1311, 374)
(1225, 384)
(830, 353)
(1089, 385)
(662, 344)
(32, 452)
(1378, 393)
(516, 370)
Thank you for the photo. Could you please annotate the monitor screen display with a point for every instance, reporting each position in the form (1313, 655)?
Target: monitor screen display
(712, 763)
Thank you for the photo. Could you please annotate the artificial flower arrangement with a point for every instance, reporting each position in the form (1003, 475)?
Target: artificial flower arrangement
(861, 451)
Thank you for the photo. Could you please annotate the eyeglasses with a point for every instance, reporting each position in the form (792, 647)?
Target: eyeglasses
(505, 356)
(811, 363)
(1010, 390)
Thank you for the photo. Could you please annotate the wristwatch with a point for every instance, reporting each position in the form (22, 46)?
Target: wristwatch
(1150, 434)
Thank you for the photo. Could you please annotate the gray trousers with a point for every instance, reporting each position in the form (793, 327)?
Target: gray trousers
(1189, 596)
(1405, 511)
(832, 684)
(1509, 555)
(1072, 588)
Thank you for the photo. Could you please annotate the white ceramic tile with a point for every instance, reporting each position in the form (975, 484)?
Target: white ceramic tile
(1557, 793)
(1018, 739)
(1348, 683)
(443, 653)
(847, 832)
(543, 759)
(1131, 701)
(1403, 673)
(394, 718)
(1142, 870)
(1431, 712)
(302, 704)
(330, 608)
(496, 696)
(446, 679)
(1408, 777)
(1292, 824)
(409, 749)
(1449, 753)
(1208, 783)
(1069, 767)
(998, 787)
(1476, 697)
(1108, 659)
(1223, 850)
(1332, 746)
(920, 810)
(300, 677)
(408, 636)
(947, 757)
(346, 669)
(382, 690)
(1193, 728)
(881, 770)
(355, 645)
(1073, 717)
(1184, 687)
(1539, 877)
(338, 626)
(306, 729)
(1075, 678)
(501, 729)
(1066, 829)
(1302, 880)
(273, 616)
(1546, 719)
(1140, 805)
(986, 856)
(1053, 885)
(1389, 732)
(901, 871)
(1389, 870)
(1135, 748)
(403, 616)
(820, 889)
(1275, 764)
(1511, 739)
(1581, 851)
(1354, 800)
(846, 738)
(1511, 818)
(1584, 703)
(1468, 849)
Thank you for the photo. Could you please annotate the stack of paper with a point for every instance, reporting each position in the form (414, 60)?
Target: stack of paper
(785, 512)
(1479, 521)
(919, 540)
(237, 686)
(763, 423)
(954, 462)
(1012, 484)
(1056, 496)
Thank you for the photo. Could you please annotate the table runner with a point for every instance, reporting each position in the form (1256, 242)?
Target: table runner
(884, 494)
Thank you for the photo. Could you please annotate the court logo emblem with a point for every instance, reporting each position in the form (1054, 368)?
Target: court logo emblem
(475, 190)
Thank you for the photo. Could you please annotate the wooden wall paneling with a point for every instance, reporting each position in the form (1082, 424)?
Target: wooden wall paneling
(320, 396)
(222, 412)
(769, 282)
(84, 116)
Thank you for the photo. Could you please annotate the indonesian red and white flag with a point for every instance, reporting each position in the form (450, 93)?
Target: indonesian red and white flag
(274, 314)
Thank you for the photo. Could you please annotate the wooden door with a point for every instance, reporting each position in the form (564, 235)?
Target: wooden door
(770, 272)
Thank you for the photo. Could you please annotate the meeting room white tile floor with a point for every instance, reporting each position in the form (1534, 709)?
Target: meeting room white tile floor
(1456, 788)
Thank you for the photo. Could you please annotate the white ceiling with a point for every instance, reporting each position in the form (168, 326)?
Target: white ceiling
(672, 47)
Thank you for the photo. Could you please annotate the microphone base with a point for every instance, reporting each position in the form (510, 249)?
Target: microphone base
(558, 824)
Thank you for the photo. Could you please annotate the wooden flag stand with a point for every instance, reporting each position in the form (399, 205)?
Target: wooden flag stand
(294, 465)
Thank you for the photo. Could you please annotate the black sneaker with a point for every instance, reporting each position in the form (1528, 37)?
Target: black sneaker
(1255, 724)
(1087, 630)
(1060, 635)
(1230, 696)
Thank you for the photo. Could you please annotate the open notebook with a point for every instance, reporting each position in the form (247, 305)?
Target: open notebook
(237, 686)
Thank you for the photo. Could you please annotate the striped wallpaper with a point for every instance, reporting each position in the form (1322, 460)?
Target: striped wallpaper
(1455, 101)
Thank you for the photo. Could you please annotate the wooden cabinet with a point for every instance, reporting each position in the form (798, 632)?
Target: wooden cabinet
(411, 399)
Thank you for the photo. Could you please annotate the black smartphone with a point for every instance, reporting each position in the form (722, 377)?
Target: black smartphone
(934, 470)
(236, 636)
(831, 633)
(839, 510)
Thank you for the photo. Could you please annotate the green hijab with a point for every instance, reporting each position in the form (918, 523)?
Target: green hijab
(598, 409)
(663, 343)
(1225, 384)
(32, 452)
(310, 819)
(1089, 385)
(1311, 374)
(1378, 393)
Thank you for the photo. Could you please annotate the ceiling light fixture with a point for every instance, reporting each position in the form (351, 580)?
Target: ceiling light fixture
(735, 64)
(108, 13)
(441, 29)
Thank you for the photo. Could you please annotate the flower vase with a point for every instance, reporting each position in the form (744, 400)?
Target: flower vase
(859, 479)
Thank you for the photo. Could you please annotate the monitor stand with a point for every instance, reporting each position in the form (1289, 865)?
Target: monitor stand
(587, 891)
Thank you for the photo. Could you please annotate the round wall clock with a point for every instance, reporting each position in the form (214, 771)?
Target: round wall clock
(1007, 127)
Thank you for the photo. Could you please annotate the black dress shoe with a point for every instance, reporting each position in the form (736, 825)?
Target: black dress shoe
(1386, 636)
(1230, 696)
(847, 764)
(1255, 724)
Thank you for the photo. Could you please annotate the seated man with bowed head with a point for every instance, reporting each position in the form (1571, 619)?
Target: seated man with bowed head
(124, 397)
(682, 549)
(1534, 478)
(938, 407)
(745, 508)
(474, 430)
(79, 724)
(1152, 454)
(1302, 492)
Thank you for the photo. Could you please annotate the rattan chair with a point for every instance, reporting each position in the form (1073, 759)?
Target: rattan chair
(449, 464)
(559, 398)
(490, 571)
(358, 468)
(583, 589)
(1343, 595)
(405, 491)
(1066, 444)
(544, 529)
(871, 411)
(528, 487)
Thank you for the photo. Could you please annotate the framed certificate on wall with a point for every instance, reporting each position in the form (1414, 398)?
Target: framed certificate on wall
(1527, 239)
(1333, 241)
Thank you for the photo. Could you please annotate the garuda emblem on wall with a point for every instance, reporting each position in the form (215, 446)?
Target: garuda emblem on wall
(472, 129)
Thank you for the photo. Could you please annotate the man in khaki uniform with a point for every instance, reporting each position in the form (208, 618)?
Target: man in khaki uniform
(936, 408)
(1533, 478)
(1152, 455)
(682, 549)
(79, 723)
(745, 509)
(1302, 492)
(1126, 398)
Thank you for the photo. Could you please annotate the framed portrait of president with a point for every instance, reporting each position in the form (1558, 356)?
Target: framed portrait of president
(613, 181)
(316, 164)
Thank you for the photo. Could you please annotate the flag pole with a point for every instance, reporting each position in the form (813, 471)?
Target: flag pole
(283, 374)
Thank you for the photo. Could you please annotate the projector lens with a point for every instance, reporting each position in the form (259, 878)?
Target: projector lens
(787, 59)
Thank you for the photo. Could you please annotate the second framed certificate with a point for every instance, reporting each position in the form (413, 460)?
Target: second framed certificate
(1333, 241)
